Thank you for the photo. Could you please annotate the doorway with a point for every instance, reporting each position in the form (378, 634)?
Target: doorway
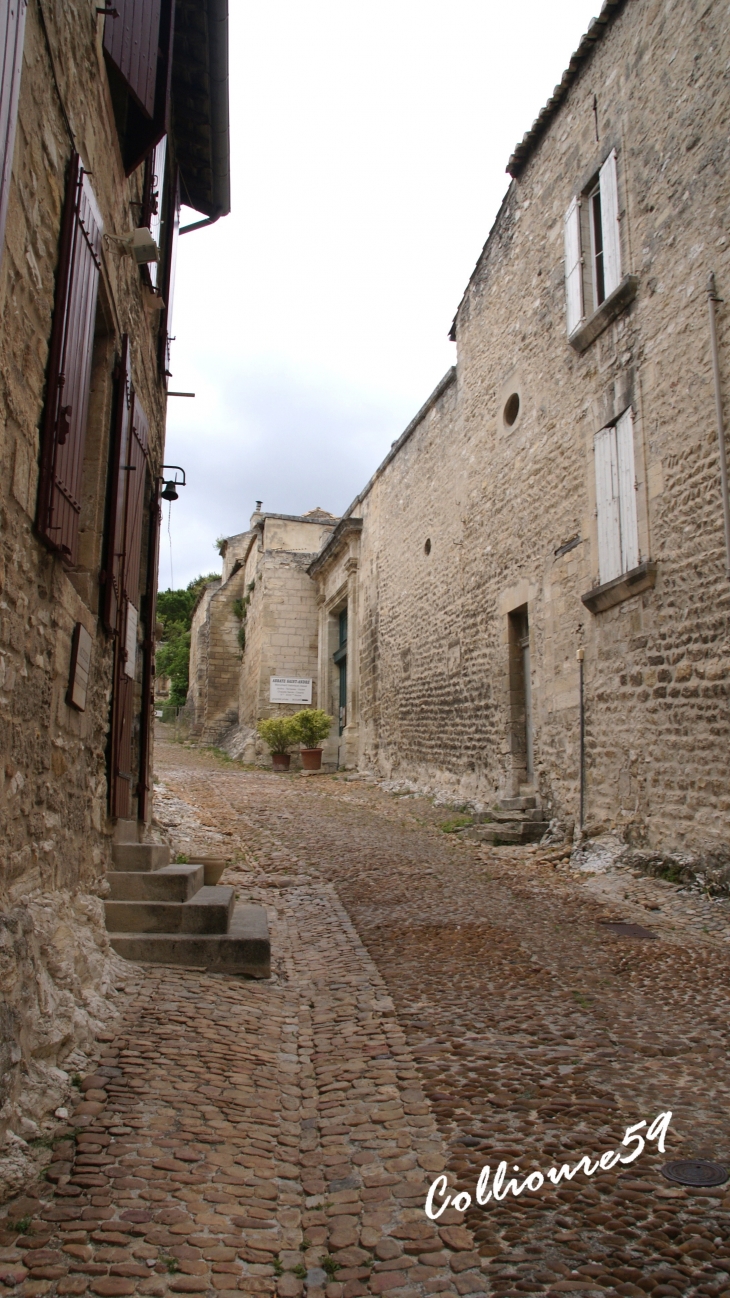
(340, 659)
(520, 696)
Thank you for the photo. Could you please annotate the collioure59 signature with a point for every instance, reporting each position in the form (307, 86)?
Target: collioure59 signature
(461, 1201)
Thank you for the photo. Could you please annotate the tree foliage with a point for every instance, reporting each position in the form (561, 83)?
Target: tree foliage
(175, 612)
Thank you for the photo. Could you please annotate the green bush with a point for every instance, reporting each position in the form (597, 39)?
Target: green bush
(278, 733)
(311, 726)
(175, 612)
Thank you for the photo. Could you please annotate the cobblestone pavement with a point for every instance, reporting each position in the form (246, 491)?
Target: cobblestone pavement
(436, 1004)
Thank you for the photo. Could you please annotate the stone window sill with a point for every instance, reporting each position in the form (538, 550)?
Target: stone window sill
(621, 588)
(589, 329)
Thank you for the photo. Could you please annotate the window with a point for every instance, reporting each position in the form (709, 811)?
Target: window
(69, 366)
(618, 539)
(592, 246)
(154, 197)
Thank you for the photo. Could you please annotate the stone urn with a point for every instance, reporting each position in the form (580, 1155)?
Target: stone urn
(280, 761)
(214, 867)
(312, 759)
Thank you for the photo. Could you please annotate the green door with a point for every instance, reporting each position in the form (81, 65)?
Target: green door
(340, 657)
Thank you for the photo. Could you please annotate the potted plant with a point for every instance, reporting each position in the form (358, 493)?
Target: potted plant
(279, 734)
(311, 726)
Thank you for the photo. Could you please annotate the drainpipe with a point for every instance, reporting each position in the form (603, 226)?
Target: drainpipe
(712, 299)
(582, 742)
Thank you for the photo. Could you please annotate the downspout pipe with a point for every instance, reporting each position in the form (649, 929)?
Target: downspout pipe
(582, 740)
(712, 300)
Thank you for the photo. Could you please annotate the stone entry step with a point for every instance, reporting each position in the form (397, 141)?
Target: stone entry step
(208, 911)
(244, 949)
(171, 883)
(140, 856)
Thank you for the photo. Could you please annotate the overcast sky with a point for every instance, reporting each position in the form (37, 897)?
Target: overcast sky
(368, 151)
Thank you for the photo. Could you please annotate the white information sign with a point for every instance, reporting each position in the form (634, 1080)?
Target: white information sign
(290, 689)
(130, 666)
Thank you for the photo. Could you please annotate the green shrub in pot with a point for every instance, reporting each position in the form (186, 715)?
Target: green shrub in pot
(279, 733)
(311, 726)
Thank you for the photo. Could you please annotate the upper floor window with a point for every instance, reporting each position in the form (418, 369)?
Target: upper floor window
(618, 537)
(592, 246)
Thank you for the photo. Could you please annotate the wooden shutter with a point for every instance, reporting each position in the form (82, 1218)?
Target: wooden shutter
(154, 201)
(12, 29)
(69, 366)
(573, 266)
(607, 504)
(114, 559)
(148, 657)
(610, 227)
(122, 777)
(131, 41)
(627, 491)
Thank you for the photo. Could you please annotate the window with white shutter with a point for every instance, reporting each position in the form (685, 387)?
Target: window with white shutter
(611, 240)
(573, 266)
(593, 247)
(618, 538)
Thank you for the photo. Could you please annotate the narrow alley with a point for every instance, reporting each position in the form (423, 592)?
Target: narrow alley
(436, 1004)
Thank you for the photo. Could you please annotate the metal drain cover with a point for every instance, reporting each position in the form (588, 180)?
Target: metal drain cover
(695, 1171)
(626, 930)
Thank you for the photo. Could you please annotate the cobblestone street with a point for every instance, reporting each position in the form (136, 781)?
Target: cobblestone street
(435, 1004)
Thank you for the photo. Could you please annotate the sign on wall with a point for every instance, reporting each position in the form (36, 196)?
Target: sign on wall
(80, 666)
(290, 689)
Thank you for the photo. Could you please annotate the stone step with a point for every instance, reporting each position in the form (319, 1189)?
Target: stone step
(518, 804)
(209, 911)
(244, 949)
(171, 883)
(522, 831)
(140, 856)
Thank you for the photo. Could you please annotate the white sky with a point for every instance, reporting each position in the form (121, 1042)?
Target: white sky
(368, 150)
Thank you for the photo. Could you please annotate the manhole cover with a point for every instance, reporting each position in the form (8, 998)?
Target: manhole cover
(695, 1172)
(626, 930)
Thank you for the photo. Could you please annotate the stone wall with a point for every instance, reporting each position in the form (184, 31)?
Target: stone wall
(507, 512)
(55, 966)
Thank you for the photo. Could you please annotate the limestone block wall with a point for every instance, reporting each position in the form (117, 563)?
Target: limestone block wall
(281, 633)
(197, 700)
(55, 966)
(501, 503)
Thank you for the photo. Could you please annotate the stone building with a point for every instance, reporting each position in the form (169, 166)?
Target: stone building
(255, 632)
(560, 495)
(108, 121)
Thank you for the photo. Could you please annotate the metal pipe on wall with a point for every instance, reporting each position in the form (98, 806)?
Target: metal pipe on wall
(582, 741)
(712, 300)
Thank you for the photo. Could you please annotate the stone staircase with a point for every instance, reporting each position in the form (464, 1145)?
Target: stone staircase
(164, 914)
(513, 820)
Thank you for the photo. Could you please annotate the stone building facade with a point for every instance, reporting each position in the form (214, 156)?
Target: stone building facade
(535, 580)
(92, 171)
(260, 621)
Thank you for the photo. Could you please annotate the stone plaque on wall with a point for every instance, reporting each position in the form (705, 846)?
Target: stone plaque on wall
(78, 679)
(290, 689)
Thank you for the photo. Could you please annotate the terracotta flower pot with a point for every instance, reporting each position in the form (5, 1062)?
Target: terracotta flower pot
(280, 761)
(312, 759)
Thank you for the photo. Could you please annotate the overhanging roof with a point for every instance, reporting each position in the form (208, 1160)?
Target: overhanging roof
(595, 31)
(200, 105)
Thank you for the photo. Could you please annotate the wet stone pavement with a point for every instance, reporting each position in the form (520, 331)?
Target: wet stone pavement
(436, 1006)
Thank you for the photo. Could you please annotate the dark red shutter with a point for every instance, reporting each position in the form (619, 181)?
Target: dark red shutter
(167, 284)
(131, 40)
(69, 366)
(122, 779)
(138, 48)
(148, 656)
(114, 557)
(12, 28)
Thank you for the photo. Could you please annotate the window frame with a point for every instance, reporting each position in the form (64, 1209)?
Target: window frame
(597, 289)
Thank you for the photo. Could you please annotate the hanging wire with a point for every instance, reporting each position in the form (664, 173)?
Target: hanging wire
(169, 534)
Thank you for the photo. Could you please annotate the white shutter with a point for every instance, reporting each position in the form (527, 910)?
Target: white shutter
(627, 491)
(607, 505)
(610, 228)
(573, 266)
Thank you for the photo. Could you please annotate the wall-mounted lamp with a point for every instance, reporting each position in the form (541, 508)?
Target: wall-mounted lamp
(169, 492)
(139, 244)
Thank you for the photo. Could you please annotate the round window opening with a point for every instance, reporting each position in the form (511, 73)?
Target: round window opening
(511, 409)
(427, 546)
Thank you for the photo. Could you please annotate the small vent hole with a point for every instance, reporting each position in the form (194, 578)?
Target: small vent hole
(511, 409)
(427, 546)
